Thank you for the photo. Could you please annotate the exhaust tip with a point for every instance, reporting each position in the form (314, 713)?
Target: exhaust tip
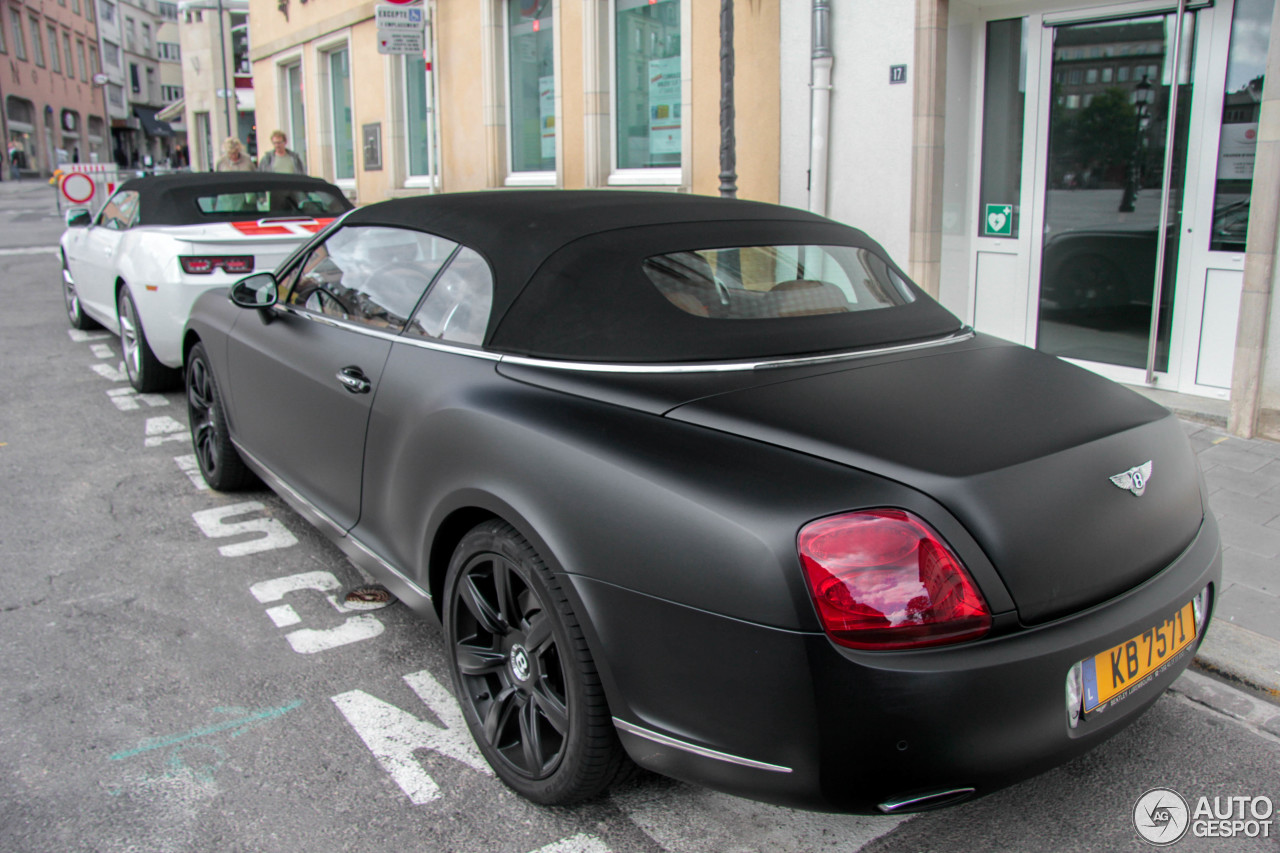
(924, 802)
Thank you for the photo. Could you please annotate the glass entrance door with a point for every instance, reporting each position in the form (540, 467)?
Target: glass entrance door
(1110, 90)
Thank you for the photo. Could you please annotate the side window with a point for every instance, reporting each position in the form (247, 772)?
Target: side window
(457, 307)
(367, 274)
(120, 213)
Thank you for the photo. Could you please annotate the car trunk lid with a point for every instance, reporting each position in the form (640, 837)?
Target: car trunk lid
(1019, 446)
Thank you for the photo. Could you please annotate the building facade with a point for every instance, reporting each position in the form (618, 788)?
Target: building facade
(53, 112)
(218, 96)
(515, 93)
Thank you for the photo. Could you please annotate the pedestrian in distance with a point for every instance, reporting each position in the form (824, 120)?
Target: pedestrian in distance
(280, 158)
(234, 158)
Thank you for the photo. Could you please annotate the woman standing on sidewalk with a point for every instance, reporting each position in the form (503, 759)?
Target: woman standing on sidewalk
(234, 158)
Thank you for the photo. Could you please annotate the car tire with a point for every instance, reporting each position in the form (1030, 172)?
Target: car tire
(75, 311)
(523, 674)
(146, 373)
(219, 462)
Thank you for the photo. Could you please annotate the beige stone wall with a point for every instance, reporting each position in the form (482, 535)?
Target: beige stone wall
(469, 72)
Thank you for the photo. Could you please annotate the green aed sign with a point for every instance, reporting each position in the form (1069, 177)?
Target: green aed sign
(997, 220)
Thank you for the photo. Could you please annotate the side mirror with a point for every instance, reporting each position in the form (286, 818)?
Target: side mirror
(79, 217)
(255, 291)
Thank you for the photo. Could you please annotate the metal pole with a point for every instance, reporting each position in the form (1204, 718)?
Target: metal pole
(227, 92)
(821, 63)
(1166, 185)
(728, 152)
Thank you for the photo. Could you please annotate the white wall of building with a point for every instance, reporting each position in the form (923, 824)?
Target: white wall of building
(869, 164)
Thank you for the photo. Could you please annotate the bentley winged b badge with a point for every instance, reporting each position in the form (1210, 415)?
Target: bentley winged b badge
(1135, 479)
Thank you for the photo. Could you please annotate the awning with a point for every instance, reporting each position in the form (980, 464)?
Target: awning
(152, 125)
(173, 112)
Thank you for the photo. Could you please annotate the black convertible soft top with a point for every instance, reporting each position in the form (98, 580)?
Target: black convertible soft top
(569, 281)
(171, 199)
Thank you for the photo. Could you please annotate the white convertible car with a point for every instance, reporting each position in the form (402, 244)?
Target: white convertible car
(159, 242)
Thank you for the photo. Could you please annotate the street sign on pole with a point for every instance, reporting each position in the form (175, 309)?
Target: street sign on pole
(400, 42)
(401, 18)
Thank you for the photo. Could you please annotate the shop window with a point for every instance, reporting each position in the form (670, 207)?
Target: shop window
(1241, 110)
(531, 87)
(1003, 111)
(648, 123)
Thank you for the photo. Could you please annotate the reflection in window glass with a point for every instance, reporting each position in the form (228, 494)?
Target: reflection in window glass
(533, 86)
(1004, 104)
(369, 274)
(649, 84)
(344, 151)
(457, 307)
(1241, 107)
(771, 282)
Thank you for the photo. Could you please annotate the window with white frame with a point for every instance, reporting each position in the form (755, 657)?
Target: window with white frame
(417, 118)
(648, 90)
(111, 54)
(531, 87)
(19, 45)
(55, 64)
(84, 66)
(168, 11)
(37, 53)
(295, 109)
(169, 51)
(108, 11)
(169, 94)
(338, 70)
(4, 42)
(67, 56)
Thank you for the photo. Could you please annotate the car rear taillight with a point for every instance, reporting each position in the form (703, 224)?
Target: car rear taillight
(203, 264)
(883, 579)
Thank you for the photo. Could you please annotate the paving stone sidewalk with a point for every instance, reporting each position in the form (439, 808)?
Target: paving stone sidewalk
(1243, 475)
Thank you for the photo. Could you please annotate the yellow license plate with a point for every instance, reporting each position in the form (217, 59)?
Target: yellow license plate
(1121, 667)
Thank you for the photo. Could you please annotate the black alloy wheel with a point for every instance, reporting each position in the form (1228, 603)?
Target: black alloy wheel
(522, 672)
(75, 312)
(220, 463)
(146, 372)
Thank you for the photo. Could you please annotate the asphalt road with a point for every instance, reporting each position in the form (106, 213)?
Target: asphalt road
(175, 677)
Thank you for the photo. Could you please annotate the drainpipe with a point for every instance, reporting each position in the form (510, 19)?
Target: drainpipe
(821, 63)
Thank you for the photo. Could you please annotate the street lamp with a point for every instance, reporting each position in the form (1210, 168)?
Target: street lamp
(1143, 96)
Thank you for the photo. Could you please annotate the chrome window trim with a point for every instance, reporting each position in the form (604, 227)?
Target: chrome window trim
(964, 334)
(732, 366)
(705, 752)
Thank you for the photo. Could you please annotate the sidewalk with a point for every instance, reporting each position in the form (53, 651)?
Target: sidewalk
(1243, 642)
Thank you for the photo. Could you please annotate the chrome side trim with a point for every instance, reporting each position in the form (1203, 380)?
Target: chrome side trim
(732, 366)
(364, 549)
(665, 740)
(937, 798)
(321, 520)
(394, 337)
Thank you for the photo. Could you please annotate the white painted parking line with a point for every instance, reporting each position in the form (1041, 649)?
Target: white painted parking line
(273, 534)
(31, 250)
(393, 735)
(127, 399)
(80, 336)
(101, 350)
(162, 429)
(190, 466)
(109, 373)
(284, 616)
(310, 641)
(580, 843)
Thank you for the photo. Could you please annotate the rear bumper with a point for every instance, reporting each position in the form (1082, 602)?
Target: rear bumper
(789, 717)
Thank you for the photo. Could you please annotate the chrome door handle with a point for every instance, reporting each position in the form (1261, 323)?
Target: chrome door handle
(354, 380)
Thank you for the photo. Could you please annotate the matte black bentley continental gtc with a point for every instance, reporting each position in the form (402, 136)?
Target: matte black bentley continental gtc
(709, 486)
